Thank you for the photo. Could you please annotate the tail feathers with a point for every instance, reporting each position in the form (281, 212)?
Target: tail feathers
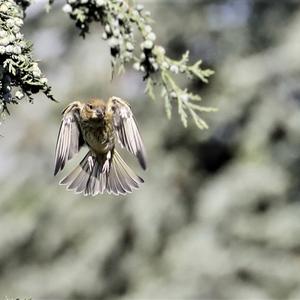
(121, 179)
(92, 177)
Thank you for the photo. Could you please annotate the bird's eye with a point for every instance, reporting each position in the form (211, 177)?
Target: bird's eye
(90, 106)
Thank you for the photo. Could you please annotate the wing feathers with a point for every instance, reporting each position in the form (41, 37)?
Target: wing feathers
(69, 138)
(127, 130)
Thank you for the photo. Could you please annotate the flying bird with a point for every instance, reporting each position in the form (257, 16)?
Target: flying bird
(98, 125)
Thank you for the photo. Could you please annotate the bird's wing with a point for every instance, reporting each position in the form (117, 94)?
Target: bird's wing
(69, 138)
(126, 128)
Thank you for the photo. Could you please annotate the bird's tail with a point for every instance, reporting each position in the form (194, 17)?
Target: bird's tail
(95, 175)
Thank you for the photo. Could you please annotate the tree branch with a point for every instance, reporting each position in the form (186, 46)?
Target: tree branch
(20, 75)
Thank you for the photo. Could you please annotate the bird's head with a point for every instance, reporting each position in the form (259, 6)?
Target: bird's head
(94, 110)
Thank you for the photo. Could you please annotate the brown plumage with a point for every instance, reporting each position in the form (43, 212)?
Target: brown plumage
(98, 125)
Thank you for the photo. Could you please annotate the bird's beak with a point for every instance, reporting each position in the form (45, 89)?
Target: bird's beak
(99, 113)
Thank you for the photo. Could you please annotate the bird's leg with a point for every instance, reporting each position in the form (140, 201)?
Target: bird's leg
(106, 165)
(91, 163)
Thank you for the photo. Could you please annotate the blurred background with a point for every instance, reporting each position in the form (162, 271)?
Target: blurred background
(219, 214)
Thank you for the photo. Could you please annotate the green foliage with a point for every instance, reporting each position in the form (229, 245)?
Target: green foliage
(120, 21)
(20, 76)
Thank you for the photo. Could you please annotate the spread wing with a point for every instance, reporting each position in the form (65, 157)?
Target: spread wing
(69, 138)
(126, 128)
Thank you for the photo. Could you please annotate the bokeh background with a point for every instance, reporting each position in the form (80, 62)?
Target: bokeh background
(219, 214)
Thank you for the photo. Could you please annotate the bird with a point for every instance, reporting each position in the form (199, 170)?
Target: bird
(99, 125)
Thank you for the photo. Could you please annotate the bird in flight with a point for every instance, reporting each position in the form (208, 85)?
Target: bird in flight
(98, 124)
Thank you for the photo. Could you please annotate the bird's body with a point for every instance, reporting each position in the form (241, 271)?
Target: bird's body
(98, 125)
(98, 135)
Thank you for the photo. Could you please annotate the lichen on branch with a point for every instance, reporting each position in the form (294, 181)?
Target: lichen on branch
(20, 75)
(120, 20)
(128, 31)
